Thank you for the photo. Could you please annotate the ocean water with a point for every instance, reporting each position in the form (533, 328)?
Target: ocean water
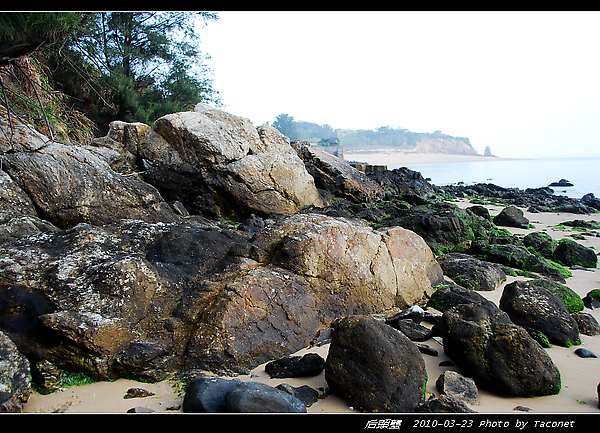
(583, 173)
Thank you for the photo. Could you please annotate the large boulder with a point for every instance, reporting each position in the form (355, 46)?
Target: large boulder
(472, 273)
(69, 185)
(145, 299)
(499, 355)
(374, 367)
(534, 307)
(395, 264)
(335, 175)
(213, 162)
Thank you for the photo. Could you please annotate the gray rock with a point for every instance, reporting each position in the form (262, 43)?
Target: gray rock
(454, 384)
(70, 185)
(15, 377)
(337, 176)
(444, 404)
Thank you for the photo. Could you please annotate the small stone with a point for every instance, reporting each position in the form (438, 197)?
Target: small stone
(137, 393)
(584, 353)
(522, 408)
(140, 409)
(426, 349)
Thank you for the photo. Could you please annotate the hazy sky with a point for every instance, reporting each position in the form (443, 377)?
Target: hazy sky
(523, 83)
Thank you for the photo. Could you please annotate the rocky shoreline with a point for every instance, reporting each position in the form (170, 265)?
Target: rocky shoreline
(205, 246)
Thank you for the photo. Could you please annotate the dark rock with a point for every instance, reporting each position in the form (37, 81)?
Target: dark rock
(532, 306)
(426, 349)
(414, 313)
(499, 355)
(252, 397)
(15, 377)
(587, 324)
(522, 408)
(304, 393)
(511, 216)
(569, 253)
(591, 303)
(308, 365)
(482, 211)
(562, 182)
(373, 366)
(406, 185)
(590, 200)
(140, 409)
(412, 330)
(454, 384)
(568, 296)
(207, 394)
(441, 225)
(515, 255)
(448, 295)
(470, 272)
(137, 393)
(585, 353)
(336, 175)
(444, 404)
(148, 359)
(542, 243)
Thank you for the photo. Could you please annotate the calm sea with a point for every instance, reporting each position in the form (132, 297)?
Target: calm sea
(583, 173)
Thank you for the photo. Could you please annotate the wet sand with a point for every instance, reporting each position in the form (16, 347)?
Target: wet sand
(580, 376)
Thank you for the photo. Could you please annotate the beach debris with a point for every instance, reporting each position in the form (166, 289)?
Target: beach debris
(138, 393)
(585, 353)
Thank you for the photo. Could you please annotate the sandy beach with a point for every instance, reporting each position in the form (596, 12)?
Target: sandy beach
(391, 157)
(580, 376)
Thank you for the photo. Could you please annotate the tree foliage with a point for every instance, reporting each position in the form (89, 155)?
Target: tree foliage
(151, 60)
(131, 66)
(285, 124)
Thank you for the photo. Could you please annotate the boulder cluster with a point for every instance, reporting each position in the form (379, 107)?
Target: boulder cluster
(205, 244)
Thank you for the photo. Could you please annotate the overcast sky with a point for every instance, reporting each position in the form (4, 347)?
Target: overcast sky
(523, 83)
